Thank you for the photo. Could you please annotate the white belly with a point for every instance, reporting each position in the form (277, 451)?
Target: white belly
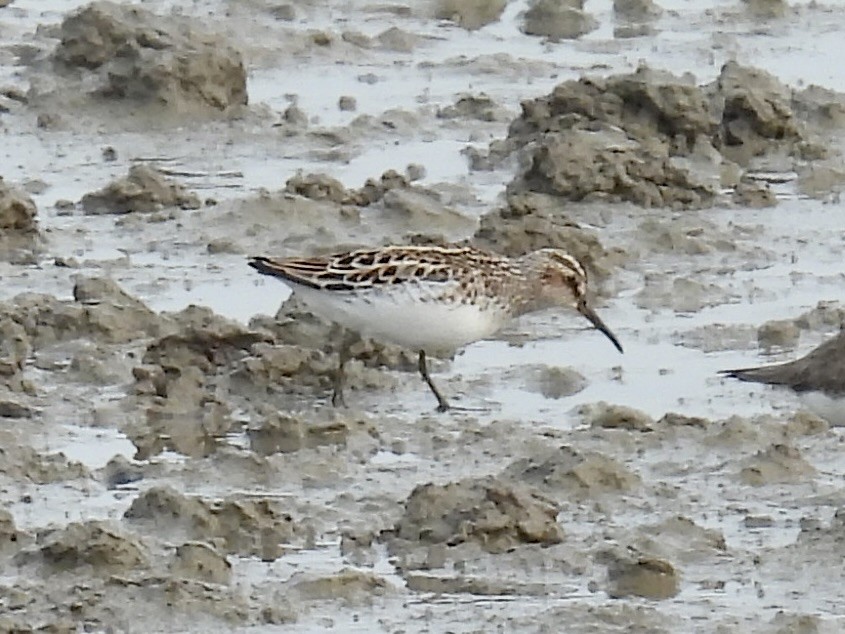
(831, 409)
(399, 316)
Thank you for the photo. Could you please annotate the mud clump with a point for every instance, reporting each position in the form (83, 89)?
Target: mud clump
(491, 513)
(766, 9)
(17, 211)
(191, 380)
(470, 14)
(324, 187)
(609, 416)
(558, 20)
(594, 165)
(181, 389)
(318, 187)
(144, 190)
(353, 587)
(645, 577)
(826, 314)
(199, 561)
(12, 539)
(656, 139)
(682, 294)
(103, 602)
(303, 356)
(679, 538)
(14, 409)
(248, 527)
(25, 463)
(636, 10)
(814, 534)
(105, 313)
(147, 58)
(18, 221)
(819, 107)
(756, 114)
(119, 471)
(293, 369)
(777, 464)
(673, 419)
(284, 371)
(532, 221)
(564, 473)
(15, 349)
(781, 333)
(94, 544)
(317, 210)
(396, 40)
(554, 382)
(754, 196)
(480, 107)
(203, 340)
(112, 313)
(186, 415)
(646, 104)
(279, 433)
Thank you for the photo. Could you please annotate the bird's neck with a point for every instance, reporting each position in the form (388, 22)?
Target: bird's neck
(527, 294)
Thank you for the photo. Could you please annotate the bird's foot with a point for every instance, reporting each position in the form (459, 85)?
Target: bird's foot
(468, 410)
(338, 400)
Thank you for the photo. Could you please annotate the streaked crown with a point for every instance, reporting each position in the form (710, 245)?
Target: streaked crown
(562, 279)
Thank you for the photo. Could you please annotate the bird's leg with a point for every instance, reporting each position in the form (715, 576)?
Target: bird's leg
(343, 355)
(442, 403)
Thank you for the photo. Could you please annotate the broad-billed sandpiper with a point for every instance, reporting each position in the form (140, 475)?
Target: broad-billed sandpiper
(431, 298)
(818, 378)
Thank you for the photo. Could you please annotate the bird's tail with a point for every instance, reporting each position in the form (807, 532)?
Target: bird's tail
(265, 266)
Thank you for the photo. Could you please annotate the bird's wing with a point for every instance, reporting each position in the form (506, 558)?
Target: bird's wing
(372, 268)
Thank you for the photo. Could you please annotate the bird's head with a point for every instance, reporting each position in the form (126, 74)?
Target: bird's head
(562, 281)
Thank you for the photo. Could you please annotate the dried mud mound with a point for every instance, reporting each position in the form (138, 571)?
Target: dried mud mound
(179, 399)
(558, 20)
(567, 474)
(18, 221)
(496, 515)
(24, 463)
(101, 311)
(315, 213)
(144, 189)
(97, 546)
(147, 58)
(249, 527)
(43, 339)
(192, 378)
(127, 578)
(470, 14)
(656, 139)
(392, 202)
(645, 577)
(531, 221)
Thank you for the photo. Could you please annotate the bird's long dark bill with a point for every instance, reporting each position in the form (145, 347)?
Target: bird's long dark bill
(590, 314)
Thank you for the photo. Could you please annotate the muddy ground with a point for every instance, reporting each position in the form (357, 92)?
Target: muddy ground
(169, 460)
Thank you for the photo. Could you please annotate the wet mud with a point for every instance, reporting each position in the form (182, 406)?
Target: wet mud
(168, 453)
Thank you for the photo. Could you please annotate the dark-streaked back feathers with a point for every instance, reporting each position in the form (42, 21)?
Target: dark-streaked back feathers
(376, 267)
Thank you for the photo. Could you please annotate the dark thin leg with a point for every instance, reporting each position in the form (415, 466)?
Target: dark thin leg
(442, 403)
(339, 375)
